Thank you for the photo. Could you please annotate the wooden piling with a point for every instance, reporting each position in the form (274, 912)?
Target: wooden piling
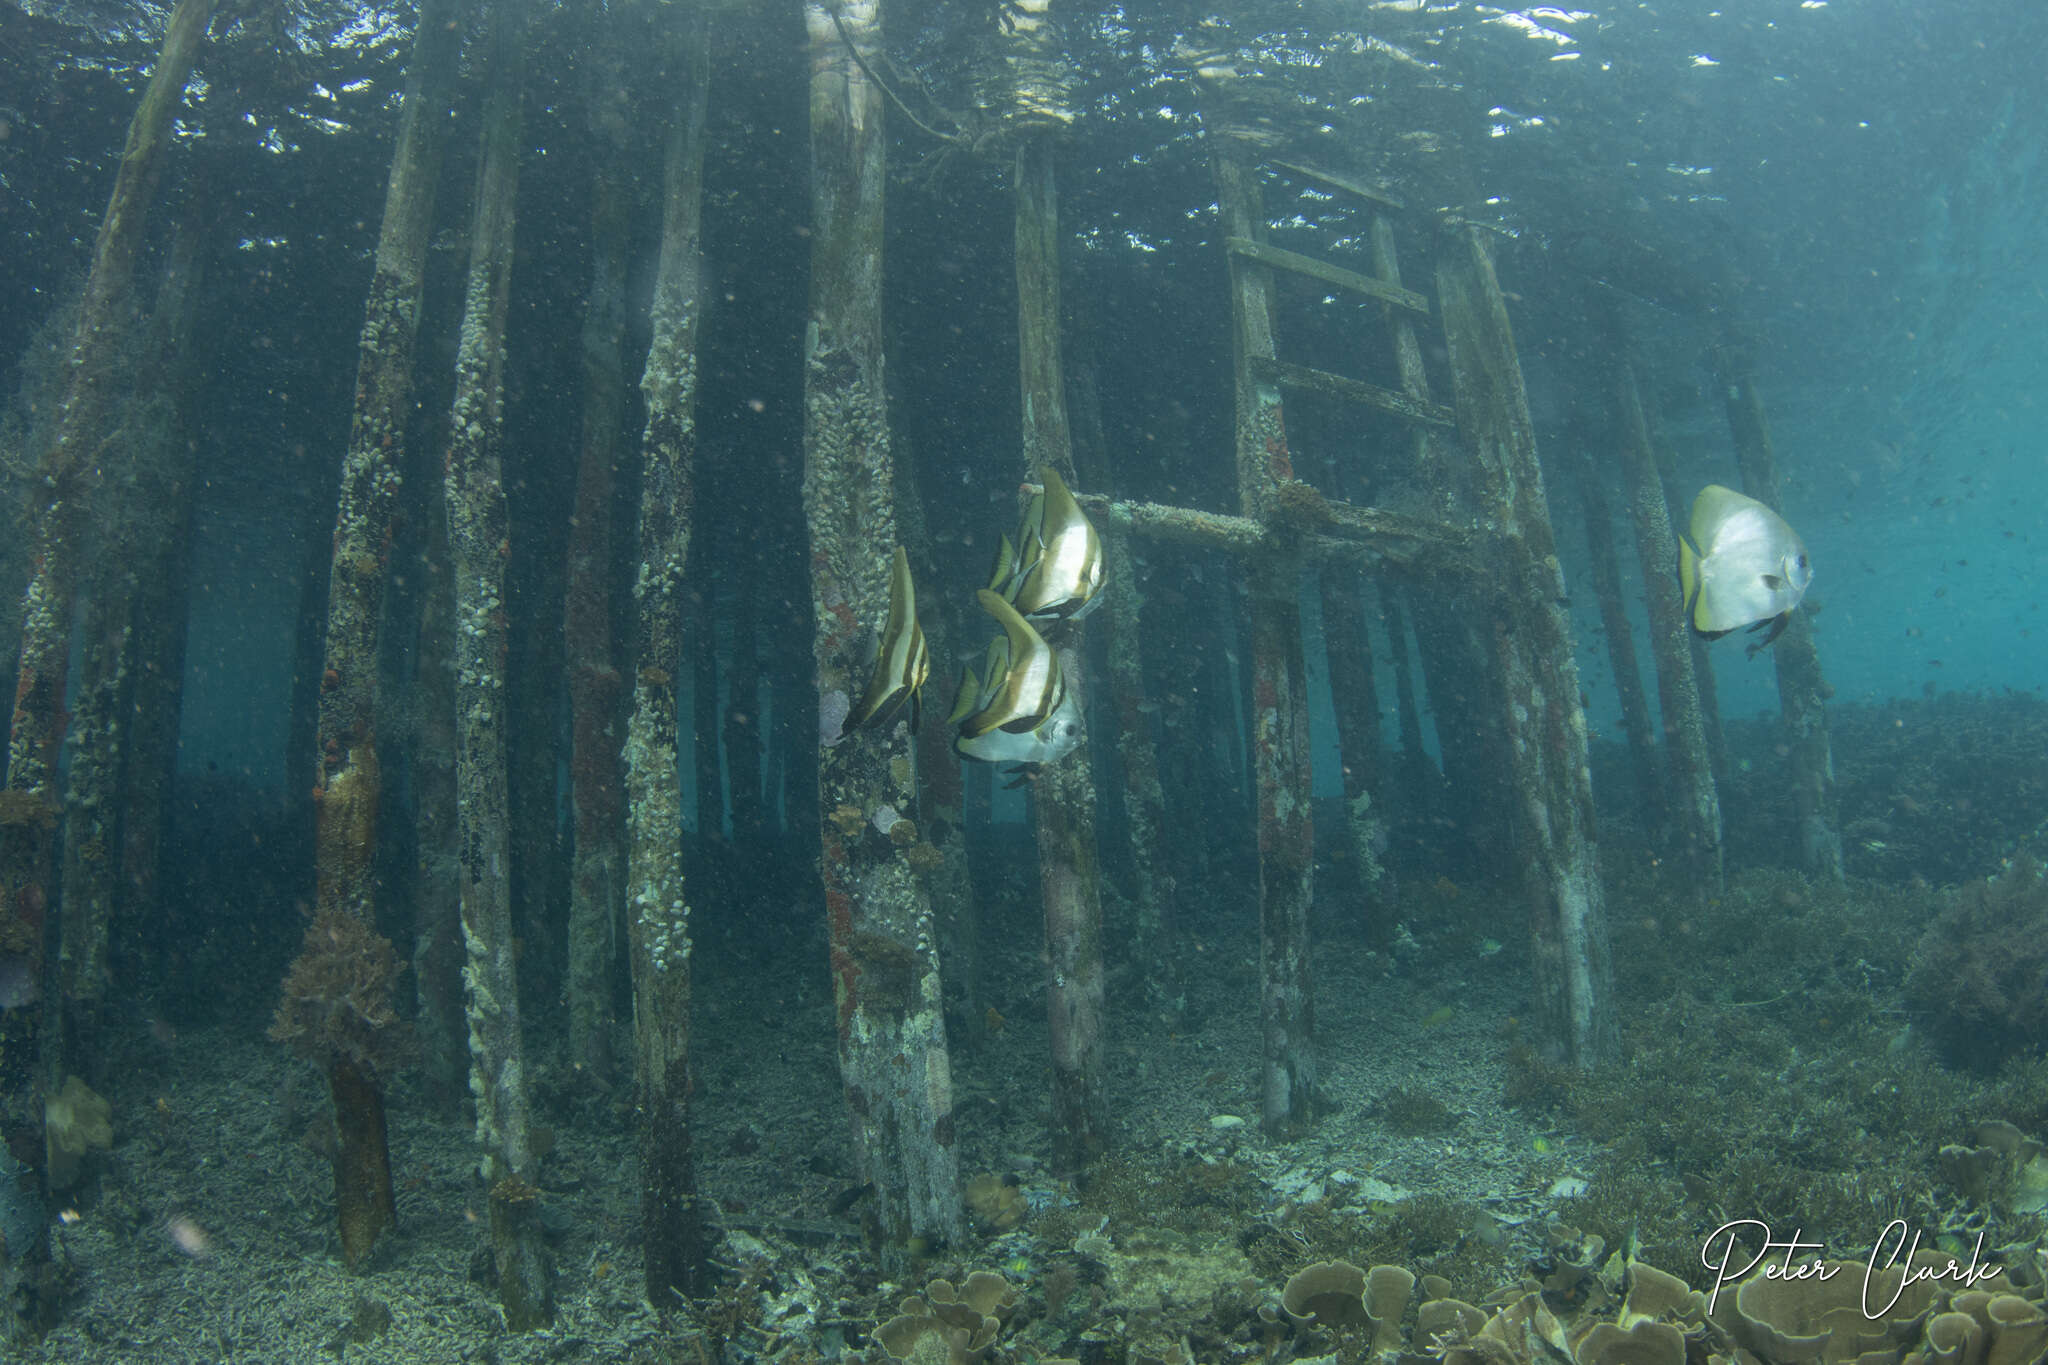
(1069, 881)
(893, 1055)
(597, 874)
(675, 1236)
(69, 469)
(1621, 646)
(479, 545)
(1279, 720)
(345, 761)
(1693, 801)
(1151, 933)
(1802, 691)
(1546, 725)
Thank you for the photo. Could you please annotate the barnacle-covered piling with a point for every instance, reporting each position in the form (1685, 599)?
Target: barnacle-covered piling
(1532, 644)
(346, 763)
(69, 467)
(675, 1239)
(478, 546)
(1802, 692)
(1694, 802)
(1279, 720)
(1621, 643)
(596, 793)
(885, 973)
(1070, 889)
(336, 1013)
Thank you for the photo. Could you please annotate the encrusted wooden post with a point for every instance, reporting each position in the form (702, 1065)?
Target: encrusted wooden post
(478, 545)
(1151, 933)
(674, 1231)
(1694, 803)
(1279, 721)
(93, 789)
(1802, 692)
(1621, 645)
(124, 712)
(1068, 879)
(1532, 639)
(69, 469)
(885, 970)
(597, 871)
(346, 762)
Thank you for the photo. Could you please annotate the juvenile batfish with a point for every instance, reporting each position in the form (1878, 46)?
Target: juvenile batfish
(1740, 565)
(903, 660)
(1059, 556)
(1021, 712)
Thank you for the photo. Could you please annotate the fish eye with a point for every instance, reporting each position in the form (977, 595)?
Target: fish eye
(1801, 561)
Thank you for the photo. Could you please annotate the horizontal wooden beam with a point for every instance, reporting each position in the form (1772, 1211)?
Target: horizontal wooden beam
(1353, 391)
(1279, 258)
(1323, 530)
(1337, 180)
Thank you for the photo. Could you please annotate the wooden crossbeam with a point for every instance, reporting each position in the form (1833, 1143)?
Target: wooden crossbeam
(1354, 391)
(1280, 258)
(1342, 531)
(1337, 180)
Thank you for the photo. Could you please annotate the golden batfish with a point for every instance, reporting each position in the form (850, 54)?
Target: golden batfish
(1021, 711)
(902, 661)
(1740, 565)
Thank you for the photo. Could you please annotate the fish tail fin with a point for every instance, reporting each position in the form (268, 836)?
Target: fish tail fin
(965, 698)
(1689, 579)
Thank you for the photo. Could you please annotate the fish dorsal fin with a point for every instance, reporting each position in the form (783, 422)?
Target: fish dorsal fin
(1003, 572)
(1059, 512)
(1710, 509)
(902, 592)
(966, 699)
(1024, 642)
(1032, 666)
(1032, 527)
